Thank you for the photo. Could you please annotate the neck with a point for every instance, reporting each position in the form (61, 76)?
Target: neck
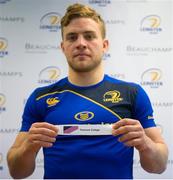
(85, 78)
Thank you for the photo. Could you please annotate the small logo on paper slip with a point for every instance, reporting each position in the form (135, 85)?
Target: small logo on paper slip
(84, 116)
(69, 129)
(112, 96)
(52, 101)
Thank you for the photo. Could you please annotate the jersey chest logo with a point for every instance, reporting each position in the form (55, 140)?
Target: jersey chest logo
(84, 116)
(52, 101)
(112, 96)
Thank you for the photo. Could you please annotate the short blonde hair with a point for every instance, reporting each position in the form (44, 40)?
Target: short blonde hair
(78, 11)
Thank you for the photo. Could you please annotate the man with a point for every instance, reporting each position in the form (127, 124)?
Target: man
(87, 97)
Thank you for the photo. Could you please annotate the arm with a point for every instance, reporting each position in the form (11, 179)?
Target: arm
(21, 156)
(21, 162)
(149, 143)
(154, 156)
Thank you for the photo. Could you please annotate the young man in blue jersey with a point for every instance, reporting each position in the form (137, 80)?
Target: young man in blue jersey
(87, 97)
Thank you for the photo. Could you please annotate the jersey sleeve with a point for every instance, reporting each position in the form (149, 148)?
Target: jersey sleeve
(142, 109)
(30, 114)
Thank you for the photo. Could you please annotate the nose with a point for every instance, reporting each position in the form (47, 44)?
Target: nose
(81, 42)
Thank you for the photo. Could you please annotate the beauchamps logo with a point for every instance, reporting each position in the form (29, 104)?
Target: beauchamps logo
(84, 116)
(52, 101)
(151, 24)
(2, 103)
(118, 75)
(10, 74)
(4, 1)
(12, 19)
(112, 96)
(9, 131)
(152, 78)
(162, 104)
(100, 2)
(50, 22)
(106, 56)
(132, 50)
(3, 47)
(40, 48)
(115, 22)
(49, 75)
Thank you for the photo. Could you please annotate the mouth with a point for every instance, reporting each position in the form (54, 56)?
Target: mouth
(82, 55)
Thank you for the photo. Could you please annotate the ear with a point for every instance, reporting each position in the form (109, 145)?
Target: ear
(105, 45)
(62, 46)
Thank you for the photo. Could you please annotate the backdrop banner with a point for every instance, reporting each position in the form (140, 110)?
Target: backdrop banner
(141, 50)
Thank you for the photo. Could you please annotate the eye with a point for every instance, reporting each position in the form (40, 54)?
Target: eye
(71, 37)
(89, 36)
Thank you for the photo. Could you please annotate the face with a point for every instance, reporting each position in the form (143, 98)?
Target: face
(83, 45)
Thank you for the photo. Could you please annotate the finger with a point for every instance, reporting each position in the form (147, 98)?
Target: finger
(124, 122)
(130, 136)
(43, 131)
(45, 125)
(44, 128)
(40, 137)
(133, 143)
(125, 129)
(137, 143)
(43, 144)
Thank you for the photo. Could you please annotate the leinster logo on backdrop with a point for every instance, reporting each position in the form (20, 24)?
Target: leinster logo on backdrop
(50, 22)
(152, 78)
(49, 75)
(3, 47)
(151, 24)
(2, 102)
(101, 3)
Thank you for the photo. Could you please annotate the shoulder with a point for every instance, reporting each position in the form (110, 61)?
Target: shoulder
(123, 84)
(50, 89)
(130, 90)
(37, 97)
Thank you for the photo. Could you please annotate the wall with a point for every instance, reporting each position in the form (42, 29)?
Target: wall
(141, 50)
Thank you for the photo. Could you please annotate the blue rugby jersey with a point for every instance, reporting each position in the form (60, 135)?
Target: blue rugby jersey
(88, 157)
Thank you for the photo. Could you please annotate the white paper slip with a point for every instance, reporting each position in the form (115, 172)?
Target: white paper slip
(85, 129)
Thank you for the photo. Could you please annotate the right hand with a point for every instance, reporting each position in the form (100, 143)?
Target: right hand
(41, 135)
